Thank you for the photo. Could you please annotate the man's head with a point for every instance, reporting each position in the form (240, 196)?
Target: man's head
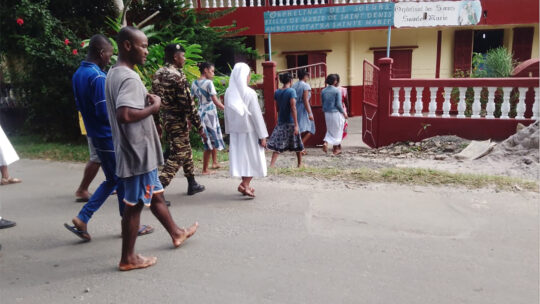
(175, 54)
(132, 45)
(100, 50)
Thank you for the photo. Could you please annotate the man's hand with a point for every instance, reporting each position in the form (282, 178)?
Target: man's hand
(296, 131)
(311, 117)
(154, 101)
(345, 115)
(262, 142)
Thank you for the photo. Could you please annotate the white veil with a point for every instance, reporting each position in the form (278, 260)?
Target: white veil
(238, 88)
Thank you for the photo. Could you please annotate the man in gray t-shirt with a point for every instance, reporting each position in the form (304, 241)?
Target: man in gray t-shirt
(137, 146)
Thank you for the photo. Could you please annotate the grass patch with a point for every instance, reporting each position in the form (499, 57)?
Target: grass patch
(412, 176)
(34, 147)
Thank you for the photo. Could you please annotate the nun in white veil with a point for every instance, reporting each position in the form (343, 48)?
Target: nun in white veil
(245, 124)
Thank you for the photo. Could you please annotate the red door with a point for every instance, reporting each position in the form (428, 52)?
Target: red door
(401, 68)
(463, 46)
(522, 45)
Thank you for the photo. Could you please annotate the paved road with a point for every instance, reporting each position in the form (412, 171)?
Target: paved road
(302, 242)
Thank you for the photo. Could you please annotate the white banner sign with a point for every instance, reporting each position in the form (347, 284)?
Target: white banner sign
(440, 13)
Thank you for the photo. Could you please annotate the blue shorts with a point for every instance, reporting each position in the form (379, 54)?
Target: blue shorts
(141, 188)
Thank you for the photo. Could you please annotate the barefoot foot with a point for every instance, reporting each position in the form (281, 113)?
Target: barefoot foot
(138, 262)
(185, 234)
(208, 172)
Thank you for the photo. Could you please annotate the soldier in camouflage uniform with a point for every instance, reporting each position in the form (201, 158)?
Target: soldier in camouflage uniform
(177, 107)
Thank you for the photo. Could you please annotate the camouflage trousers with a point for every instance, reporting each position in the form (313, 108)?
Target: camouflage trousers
(180, 153)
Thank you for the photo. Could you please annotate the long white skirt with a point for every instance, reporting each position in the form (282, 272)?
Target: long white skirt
(7, 153)
(246, 156)
(334, 127)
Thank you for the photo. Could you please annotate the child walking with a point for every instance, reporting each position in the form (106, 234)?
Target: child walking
(286, 135)
(203, 88)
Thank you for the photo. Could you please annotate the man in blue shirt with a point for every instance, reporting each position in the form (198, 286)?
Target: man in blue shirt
(89, 90)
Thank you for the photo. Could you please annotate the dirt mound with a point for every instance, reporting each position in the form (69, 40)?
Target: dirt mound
(521, 148)
(427, 148)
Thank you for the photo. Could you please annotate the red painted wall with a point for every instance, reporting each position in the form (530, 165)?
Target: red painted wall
(499, 12)
(390, 129)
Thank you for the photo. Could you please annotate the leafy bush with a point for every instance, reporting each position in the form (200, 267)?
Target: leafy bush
(495, 63)
(40, 52)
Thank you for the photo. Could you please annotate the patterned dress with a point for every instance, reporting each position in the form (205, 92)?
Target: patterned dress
(283, 138)
(204, 89)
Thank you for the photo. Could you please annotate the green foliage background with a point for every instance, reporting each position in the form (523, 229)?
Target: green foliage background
(38, 64)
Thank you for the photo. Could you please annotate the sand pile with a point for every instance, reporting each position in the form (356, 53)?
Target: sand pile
(519, 152)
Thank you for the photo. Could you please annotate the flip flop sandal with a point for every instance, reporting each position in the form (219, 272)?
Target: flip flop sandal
(145, 229)
(6, 223)
(84, 235)
(242, 190)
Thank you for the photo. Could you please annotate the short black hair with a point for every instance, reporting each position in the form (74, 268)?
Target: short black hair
(126, 33)
(204, 65)
(330, 79)
(171, 50)
(97, 44)
(302, 73)
(337, 77)
(285, 78)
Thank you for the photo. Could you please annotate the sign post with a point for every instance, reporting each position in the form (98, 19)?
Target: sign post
(388, 41)
(269, 46)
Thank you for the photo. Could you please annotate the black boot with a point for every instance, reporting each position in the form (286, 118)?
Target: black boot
(193, 186)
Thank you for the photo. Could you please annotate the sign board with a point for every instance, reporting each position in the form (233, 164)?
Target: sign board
(440, 13)
(330, 18)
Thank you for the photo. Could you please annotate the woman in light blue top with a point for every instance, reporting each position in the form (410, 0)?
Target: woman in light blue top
(334, 114)
(306, 122)
(203, 88)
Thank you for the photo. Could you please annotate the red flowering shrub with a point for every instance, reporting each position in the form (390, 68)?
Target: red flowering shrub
(20, 21)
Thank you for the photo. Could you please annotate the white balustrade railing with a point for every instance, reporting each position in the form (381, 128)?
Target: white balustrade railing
(418, 103)
(490, 107)
(292, 3)
(500, 103)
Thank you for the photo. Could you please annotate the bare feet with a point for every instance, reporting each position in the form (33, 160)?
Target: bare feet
(137, 263)
(208, 172)
(325, 147)
(10, 180)
(216, 166)
(185, 234)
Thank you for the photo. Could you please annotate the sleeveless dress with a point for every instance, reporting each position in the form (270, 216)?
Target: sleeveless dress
(203, 90)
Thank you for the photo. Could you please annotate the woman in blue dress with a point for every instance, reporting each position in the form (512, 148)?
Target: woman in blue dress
(286, 135)
(203, 88)
(306, 123)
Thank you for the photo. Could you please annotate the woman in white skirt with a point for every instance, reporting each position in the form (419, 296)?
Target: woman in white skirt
(334, 114)
(245, 124)
(7, 156)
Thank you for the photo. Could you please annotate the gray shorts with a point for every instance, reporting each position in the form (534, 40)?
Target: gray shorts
(93, 155)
